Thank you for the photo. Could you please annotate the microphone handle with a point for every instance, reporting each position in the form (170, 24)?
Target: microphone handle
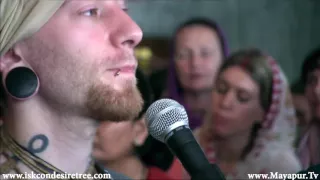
(183, 144)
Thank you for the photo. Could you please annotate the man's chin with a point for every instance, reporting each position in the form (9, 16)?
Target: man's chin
(122, 86)
(108, 104)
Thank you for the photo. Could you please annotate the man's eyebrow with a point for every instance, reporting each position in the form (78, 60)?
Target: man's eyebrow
(67, 2)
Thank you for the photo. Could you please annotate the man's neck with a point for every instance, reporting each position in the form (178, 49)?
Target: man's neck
(125, 166)
(231, 149)
(63, 141)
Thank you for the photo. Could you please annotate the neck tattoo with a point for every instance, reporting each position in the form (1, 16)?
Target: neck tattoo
(27, 156)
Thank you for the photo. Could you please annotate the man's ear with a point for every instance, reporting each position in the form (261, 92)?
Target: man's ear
(12, 67)
(140, 132)
(11, 59)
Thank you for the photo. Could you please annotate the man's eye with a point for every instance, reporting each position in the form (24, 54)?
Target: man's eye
(91, 12)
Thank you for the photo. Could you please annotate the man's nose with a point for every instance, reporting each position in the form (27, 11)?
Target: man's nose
(127, 33)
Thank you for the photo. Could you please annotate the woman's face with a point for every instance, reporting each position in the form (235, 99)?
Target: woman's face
(198, 57)
(116, 140)
(236, 103)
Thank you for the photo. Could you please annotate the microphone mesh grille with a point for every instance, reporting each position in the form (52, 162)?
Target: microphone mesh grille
(162, 114)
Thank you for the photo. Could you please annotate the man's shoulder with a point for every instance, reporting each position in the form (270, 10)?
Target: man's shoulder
(114, 175)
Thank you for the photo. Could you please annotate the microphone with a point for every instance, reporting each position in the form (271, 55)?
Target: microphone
(168, 122)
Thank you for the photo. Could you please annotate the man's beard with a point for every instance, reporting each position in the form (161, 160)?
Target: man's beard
(107, 104)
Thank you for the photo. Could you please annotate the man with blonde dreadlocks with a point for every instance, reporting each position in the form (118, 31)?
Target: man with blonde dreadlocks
(65, 66)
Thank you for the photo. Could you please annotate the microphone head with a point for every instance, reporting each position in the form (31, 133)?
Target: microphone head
(163, 116)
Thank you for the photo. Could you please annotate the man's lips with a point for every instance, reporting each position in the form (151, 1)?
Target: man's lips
(128, 69)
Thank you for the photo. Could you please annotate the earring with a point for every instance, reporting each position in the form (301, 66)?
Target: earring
(21, 83)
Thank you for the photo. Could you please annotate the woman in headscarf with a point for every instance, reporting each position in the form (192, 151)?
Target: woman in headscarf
(309, 144)
(199, 48)
(252, 126)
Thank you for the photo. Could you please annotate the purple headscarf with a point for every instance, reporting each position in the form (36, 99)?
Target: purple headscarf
(174, 90)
